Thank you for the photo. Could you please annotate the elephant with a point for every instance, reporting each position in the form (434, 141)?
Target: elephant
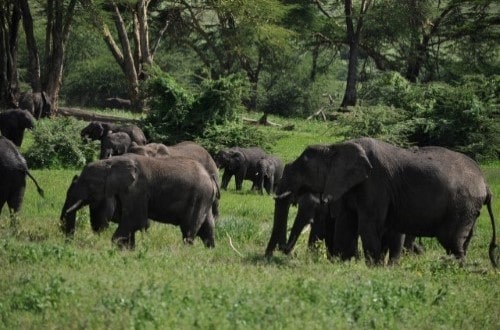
(240, 162)
(388, 191)
(13, 122)
(117, 103)
(38, 104)
(97, 130)
(269, 173)
(101, 211)
(174, 190)
(114, 144)
(149, 150)
(13, 171)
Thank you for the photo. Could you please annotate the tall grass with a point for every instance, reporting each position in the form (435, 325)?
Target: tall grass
(49, 282)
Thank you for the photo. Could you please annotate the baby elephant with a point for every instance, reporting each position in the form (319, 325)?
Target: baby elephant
(97, 130)
(114, 144)
(269, 173)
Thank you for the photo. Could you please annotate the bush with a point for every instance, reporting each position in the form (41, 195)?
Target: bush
(462, 117)
(57, 144)
(211, 117)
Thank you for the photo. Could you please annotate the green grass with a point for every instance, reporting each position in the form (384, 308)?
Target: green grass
(48, 282)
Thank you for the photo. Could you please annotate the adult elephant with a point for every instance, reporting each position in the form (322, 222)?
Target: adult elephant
(269, 173)
(427, 192)
(114, 144)
(104, 210)
(13, 122)
(178, 191)
(101, 211)
(13, 171)
(97, 130)
(38, 104)
(240, 162)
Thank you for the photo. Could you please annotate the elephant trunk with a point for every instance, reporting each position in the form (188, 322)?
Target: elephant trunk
(278, 235)
(67, 219)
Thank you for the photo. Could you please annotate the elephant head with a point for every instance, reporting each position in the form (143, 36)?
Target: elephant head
(94, 130)
(222, 158)
(327, 170)
(99, 180)
(114, 144)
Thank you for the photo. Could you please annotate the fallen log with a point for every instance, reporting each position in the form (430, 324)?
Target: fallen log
(92, 116)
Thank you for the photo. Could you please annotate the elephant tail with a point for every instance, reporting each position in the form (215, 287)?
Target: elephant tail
(40, 190)
(215, 204)
(493, 243)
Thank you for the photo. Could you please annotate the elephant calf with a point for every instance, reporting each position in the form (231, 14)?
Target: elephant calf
(97, 130)
(269, 173)
(174, 190)
(240, 162)
(114, 144)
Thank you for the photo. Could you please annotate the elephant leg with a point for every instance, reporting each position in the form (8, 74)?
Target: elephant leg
(456, 241)
(15, 198)
(393, 242)
(345, 236)
(238, 177)
(124, 237)
(226, 177)
(206, 231)
(371, 241)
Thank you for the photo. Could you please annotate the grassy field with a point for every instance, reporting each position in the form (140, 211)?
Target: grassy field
(48, 282)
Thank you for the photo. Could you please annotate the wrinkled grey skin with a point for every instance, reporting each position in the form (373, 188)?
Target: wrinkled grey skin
(269, 173)
(149, 150)
(38, 104)
(101, 211)
(13, 122)
(117, 103)
(97, 130)
(425, 192)
(13, 171)
(240, 162)
(178, 191)
(114, 144)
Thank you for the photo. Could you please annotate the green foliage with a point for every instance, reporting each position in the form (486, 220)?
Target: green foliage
(57, 144)
(92, 81)
(231, 134)
(461, 116)
(211, 117)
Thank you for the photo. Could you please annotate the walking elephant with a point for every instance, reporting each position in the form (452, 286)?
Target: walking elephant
(269, 173)
(97, 130)
(425, 192)
(101, 211)
(13, 171)
(13, 122)
(178, 191)
(114, 144)
(38, 104)
(240, 162)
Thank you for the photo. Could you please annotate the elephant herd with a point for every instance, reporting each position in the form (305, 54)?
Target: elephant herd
(364, 189)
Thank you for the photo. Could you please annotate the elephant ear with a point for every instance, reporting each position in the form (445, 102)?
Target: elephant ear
(122, 173)
(349, 166)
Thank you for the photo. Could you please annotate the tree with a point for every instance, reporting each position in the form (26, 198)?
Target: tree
(10, 17)
(132, 51)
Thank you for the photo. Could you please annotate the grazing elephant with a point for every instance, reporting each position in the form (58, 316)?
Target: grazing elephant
(38, 104)
(114, 144)
(101, 211)
(13, 122)
(117, 103)
(425, 192)
(97, 130)
(240, 162)
(173, 190)
(149, 150)
(13, 171)
(269, 173)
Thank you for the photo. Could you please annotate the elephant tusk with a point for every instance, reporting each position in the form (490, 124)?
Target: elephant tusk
(75, 207)
(283, 195)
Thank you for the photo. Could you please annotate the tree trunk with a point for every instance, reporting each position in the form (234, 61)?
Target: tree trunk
(9, 32)
(34, 61)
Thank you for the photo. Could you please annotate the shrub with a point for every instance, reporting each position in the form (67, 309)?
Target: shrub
(57, 144)
(211, 117)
